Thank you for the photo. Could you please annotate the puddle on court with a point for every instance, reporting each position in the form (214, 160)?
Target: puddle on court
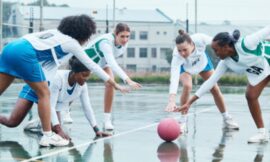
(204, 142)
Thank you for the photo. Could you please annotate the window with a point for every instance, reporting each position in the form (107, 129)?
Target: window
(143, 52)
(131, 67)
(164, 52)
(157, 32)
(154, 68)
(165, 33)
(154, 53)
(143, 35)
(131, 52)
(132, 35)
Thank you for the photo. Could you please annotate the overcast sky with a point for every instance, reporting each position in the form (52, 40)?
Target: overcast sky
(213, 11)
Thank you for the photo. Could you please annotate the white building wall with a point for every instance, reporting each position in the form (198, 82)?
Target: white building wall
(160, 35)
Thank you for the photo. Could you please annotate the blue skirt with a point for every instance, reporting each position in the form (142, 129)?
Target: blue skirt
(19, 59)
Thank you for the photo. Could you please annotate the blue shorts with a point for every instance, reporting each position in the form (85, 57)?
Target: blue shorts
(208, 67)
(28, 93)
(19, 59)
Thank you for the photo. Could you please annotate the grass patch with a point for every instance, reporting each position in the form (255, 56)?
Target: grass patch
(164, 78)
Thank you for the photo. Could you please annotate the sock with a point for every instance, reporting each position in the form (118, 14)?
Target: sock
(107, 116)
(47, 133)
(225, 115)
(261, 130)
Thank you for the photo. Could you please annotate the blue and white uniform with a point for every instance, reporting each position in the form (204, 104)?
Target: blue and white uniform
(62, 94)
(252, 59)
(195, 63)
(103, 51)
(36, 56)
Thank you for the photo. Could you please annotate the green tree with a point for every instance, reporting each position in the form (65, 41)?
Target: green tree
(46, 3)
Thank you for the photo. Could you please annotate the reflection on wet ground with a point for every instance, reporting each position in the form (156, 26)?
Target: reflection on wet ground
(135, 139)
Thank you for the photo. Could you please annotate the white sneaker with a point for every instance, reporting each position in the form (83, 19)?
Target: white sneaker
(67, 118)
(33, 125)
(53, 140)
(229, 123)
(260, 137)
(108, 125)
(183, 127)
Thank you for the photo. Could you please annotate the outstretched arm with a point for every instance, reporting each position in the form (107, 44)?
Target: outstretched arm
(89, 112)
(110, 59)
(75, 48)
(174, 80)
(206, 86)
(55, 87)
(251, 41)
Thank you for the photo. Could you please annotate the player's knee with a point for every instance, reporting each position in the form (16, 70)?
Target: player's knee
(12, 124)
(215, 89)
(43, 93)
(108, 86)
(251, 96)
(187, 87)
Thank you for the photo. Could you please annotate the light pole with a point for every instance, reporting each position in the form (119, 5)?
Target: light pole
(196, 16)
(187, 22)
(196, 23)
(113, 13)
(41, 16)
(1, 25)
(107, 21)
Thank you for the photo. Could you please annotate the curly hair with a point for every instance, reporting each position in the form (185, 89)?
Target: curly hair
(79, 27)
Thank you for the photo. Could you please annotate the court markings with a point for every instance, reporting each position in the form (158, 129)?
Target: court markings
(105, 138)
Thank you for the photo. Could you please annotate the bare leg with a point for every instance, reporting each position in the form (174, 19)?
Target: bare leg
(109, 93)
(43, 93)
(215, 92)
(186, 80)
(59, 117)
(252, 95)
(18, 114)
(5, 81)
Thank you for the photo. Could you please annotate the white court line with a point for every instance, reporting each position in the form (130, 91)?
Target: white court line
(102, 139)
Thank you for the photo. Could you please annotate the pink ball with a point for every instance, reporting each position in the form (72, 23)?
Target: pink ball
(168, 129)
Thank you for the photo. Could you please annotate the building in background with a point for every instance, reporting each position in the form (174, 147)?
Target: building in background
(152, 32)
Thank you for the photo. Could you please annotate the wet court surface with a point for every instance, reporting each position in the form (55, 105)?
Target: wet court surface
(135, 139)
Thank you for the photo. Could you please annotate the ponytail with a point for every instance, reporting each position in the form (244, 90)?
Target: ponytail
(121, 27)
(235, 35)
(224, 38)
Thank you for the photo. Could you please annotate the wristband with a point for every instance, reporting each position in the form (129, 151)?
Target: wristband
(96, 129)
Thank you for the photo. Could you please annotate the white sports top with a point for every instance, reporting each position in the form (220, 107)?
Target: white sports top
(193, 64)
(252, 59)
(62, 95)
(103, 51)
(54, 48)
